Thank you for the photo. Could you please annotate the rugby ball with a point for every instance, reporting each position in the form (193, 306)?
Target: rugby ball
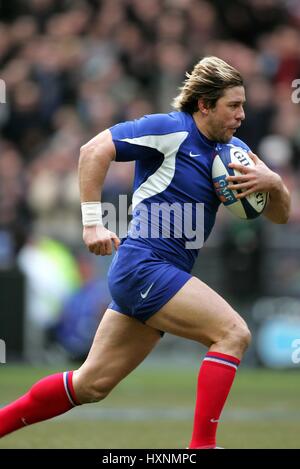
(247, 208)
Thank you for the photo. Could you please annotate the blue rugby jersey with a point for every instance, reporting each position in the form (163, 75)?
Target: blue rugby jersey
(173, 165)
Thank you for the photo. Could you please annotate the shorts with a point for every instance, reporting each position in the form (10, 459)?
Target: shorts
(141, 282)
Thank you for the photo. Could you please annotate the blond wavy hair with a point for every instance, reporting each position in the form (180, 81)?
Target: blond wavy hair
(208, 80)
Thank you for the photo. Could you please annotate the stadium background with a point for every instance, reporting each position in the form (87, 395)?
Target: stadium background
(73, 68)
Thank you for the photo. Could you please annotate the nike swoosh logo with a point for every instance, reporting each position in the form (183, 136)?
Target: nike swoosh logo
(194, 155)
(214, 420)
(24, 421)
(146, 293)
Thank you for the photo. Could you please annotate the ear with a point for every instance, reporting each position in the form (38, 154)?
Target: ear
(202, 106)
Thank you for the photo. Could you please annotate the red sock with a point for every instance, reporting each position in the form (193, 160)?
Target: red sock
(49, 397)
(214, 382)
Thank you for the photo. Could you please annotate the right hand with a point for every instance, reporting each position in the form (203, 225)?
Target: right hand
(99, 240)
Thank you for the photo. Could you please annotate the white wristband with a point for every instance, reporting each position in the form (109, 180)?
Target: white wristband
(91, 213)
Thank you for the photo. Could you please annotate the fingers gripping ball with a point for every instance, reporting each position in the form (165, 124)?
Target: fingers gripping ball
(248, 207)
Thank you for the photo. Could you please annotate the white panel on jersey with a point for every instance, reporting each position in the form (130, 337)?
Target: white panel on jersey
(168, 145)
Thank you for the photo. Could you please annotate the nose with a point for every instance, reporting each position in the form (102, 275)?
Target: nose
(241, 114)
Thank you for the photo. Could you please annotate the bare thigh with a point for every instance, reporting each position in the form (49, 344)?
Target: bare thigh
(199, 313)
(120, 345)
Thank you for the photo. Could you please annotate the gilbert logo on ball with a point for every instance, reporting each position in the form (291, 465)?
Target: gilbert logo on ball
(247, 208)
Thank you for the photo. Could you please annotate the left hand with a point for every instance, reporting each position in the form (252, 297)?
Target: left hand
(258, 178)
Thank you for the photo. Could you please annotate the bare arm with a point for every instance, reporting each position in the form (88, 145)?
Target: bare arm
(260, 178)
(94, 161)
(279, 204)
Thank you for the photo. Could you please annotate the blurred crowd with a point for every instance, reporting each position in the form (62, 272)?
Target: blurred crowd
(71, 68)
(74, 68)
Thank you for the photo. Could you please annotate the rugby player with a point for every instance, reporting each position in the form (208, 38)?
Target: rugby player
(151, 285)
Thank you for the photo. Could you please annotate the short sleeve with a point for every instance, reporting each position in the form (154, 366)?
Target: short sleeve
(140, 139)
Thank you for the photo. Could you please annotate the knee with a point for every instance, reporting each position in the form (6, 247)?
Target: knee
(89, 390)
(239, 336)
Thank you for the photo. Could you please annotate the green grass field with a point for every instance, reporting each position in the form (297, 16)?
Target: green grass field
(153, 408)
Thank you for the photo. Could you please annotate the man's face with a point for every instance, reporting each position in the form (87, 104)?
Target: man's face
(224, 119)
